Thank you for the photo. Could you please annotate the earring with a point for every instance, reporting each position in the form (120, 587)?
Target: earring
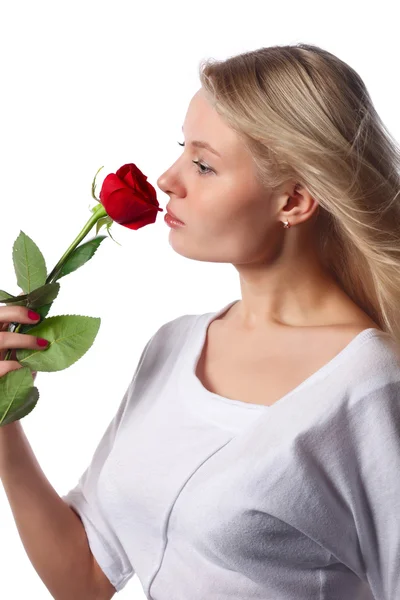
(286, 224)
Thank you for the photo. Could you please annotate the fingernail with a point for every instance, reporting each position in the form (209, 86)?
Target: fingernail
(42, 342)
(33, 315)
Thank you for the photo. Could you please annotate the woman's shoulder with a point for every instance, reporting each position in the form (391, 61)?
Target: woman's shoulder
(379, 355)
(178, 325)
(171, 334)
(373, 376)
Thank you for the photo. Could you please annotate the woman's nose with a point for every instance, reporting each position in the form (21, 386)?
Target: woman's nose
(160, 182)
(170, 180)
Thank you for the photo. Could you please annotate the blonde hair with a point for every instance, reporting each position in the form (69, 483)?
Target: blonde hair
(305, 114)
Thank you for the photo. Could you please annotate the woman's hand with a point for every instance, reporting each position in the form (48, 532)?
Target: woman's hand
(14, 341)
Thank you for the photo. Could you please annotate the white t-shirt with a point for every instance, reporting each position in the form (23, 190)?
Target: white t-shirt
(206, 497)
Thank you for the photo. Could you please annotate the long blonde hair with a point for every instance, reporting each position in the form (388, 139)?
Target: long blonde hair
(305, 114)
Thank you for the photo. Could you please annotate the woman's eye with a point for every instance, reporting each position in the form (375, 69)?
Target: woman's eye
(207, 170)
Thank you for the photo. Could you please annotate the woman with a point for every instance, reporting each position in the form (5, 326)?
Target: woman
(256, 452)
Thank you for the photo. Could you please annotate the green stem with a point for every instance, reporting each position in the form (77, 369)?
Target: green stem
(98, 214)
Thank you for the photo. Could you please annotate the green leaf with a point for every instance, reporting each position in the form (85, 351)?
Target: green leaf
(23, 407)
(38, 297)
(5, 296)
(69, 336)
(29, 264)
(18, 397)
(20, 300)
(43, 295)
(15, 300)
(80, 256)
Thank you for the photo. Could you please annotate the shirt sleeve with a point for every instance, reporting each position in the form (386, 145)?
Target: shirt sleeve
(375, 430)
(84, 500)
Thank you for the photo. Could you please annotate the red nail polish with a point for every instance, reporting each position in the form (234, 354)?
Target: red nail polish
(42, 342)
(33, 315)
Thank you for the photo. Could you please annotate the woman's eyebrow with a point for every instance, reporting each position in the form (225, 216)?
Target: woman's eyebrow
(200, 144)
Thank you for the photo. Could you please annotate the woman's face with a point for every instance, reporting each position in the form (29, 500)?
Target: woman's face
(229, 217)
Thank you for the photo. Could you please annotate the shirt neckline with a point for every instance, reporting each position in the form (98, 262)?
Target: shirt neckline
(191, 385)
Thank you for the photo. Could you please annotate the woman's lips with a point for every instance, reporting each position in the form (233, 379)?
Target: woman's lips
(173, 216)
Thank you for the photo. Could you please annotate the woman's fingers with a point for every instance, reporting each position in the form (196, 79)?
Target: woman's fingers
(9, 365)
(20, 340)
(12, 365)
(13, 341)
(16, 314)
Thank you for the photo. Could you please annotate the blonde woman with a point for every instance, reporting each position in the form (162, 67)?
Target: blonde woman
(256, 452)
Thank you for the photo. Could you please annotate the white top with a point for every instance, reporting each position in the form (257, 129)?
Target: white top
(207, 497)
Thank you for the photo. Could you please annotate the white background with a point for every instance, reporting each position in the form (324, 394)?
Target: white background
(86, 84)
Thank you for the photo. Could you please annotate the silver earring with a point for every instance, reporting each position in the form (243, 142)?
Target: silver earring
(286, 224)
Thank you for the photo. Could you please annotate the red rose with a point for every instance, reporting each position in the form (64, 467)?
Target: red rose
(128, 198)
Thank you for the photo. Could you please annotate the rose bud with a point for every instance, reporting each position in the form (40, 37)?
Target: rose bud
(128, 198)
